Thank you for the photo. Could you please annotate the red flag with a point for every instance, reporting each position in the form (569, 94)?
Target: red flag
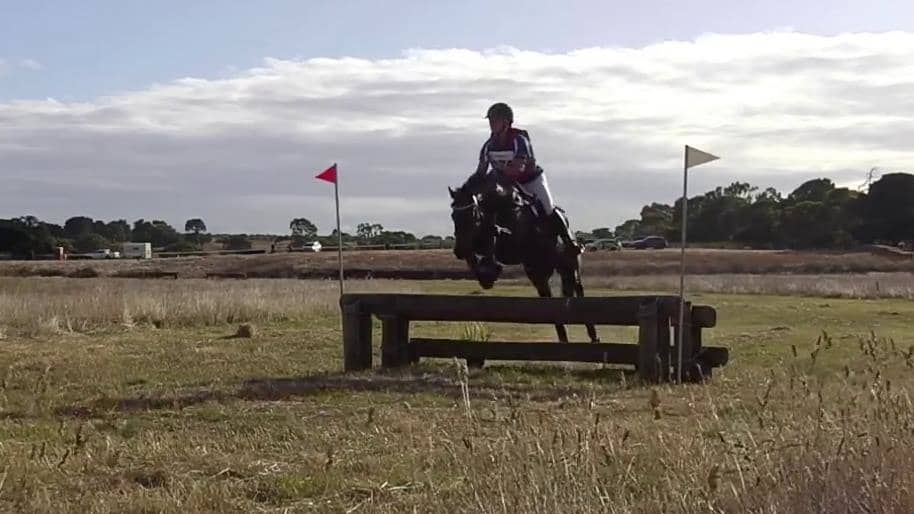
(328, 174)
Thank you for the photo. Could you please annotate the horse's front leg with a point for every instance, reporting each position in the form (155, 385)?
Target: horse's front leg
(541, 282)
(572, 286)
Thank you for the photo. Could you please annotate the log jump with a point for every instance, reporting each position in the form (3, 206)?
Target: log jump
(654, 354)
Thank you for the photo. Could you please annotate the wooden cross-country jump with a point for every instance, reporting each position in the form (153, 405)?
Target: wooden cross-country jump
(653, 354)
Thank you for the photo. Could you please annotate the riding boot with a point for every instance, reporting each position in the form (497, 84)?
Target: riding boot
(564, 232)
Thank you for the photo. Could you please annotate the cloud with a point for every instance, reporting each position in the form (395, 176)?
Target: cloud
(608, 125)
(7, 67)
(30, 64)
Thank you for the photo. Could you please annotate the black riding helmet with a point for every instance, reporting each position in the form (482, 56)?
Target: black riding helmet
(501, 110)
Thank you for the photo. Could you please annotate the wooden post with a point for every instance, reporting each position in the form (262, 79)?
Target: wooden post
(356, 338)
(688, 354)
(695, 372)
(663, 346)
(647, 341)
(394, 341)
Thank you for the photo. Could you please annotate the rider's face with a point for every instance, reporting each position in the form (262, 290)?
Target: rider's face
(498, 125)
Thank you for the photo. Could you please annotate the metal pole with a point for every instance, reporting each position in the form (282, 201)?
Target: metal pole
(682, 244)
(339, 230)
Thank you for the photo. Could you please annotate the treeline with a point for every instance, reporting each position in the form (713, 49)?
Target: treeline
(817, 214)
(304, 231)
(27, 237)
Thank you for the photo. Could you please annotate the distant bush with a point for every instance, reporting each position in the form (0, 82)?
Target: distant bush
(237, 242)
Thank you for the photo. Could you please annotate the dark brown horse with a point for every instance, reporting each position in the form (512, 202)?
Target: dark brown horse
(501, 225)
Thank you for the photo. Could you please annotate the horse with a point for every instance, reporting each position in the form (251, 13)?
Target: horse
(520, 236)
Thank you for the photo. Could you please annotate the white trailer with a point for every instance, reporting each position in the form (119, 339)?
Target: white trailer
(137, 251)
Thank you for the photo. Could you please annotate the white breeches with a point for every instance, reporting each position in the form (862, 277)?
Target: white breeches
(539, 188)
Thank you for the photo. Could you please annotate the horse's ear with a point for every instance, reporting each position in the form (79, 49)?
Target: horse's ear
(453, 194)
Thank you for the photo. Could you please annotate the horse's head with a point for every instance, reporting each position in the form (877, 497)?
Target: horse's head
(466, 216)
(469, 236)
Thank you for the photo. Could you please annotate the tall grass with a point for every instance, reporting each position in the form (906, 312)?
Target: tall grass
(866, 285)
(49, 305)
(798, 439)
(34, 306)
(133, 424)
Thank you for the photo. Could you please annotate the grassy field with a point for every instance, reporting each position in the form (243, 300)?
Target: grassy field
(121, 395)
(595, 264)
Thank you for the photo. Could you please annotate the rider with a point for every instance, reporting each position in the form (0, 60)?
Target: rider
(510, 154)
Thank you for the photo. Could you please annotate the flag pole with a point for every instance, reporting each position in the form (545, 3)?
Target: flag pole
(339, 230)
(682, 245)
(698, 157)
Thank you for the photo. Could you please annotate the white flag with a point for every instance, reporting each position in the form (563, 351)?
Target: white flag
(694, 157)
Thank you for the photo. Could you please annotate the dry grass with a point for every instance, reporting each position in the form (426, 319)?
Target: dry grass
(38, 306)
(597, 264)
(48, 306)
(793, 440)
(868, 285)
(180, 419)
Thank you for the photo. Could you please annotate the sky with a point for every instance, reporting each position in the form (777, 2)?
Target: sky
(226, 110)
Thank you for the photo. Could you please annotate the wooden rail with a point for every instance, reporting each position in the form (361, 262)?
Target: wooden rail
(654, 354)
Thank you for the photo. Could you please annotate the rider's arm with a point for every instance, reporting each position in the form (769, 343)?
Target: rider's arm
(479, 176)
(483, 165)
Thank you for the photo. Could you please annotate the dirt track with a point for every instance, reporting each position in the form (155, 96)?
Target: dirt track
(442, 264)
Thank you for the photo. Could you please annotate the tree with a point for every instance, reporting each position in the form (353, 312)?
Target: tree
(602, 233)
(432, 241)
(332, 240)
(195, 225)
(24, 239)
(815, 190)
(809, 224)
(117, 231)
(157, 232)
(89, 243)
(182, 246)
(303, 228)
(656, 219)
(54, 229)
(30, 222)
(761, 221)
(887, 210)
(629, 229)
(368, 231)
(394, 238)
(363, 231)
(237, 242)
(77, 226)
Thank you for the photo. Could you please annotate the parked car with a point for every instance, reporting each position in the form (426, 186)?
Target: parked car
(314, 246)
(104, 254)
(655, 242)
(603, 244)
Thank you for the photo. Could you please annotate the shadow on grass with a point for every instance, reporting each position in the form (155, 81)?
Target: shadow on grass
(529, 382)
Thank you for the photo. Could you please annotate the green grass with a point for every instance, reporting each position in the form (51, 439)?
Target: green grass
(185, 418)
